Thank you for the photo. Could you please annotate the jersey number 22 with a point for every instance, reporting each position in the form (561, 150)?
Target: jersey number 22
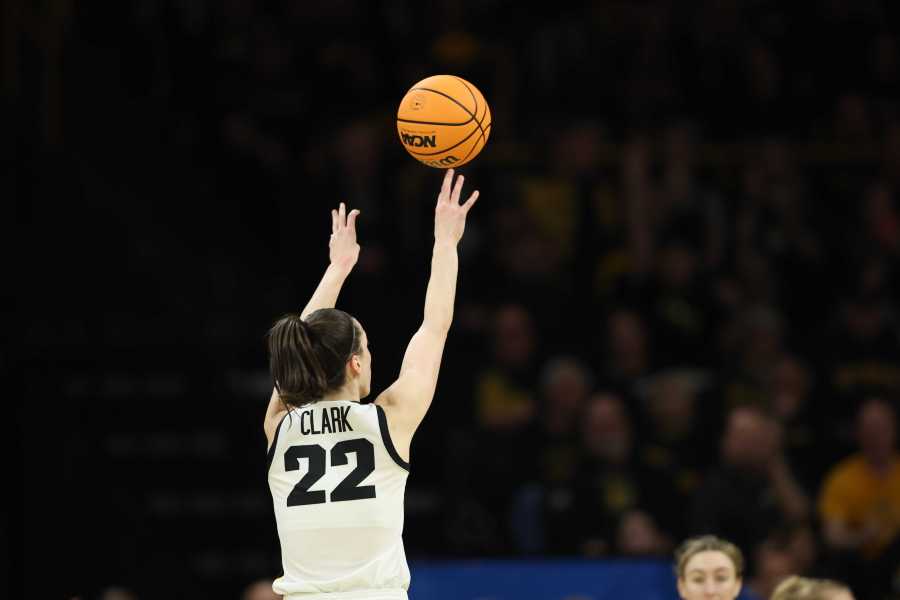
(348, 489)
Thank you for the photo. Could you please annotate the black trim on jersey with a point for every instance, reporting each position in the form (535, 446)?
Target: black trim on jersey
(386, 438)
(270, 455)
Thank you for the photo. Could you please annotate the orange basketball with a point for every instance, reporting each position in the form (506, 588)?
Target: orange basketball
(443, 121)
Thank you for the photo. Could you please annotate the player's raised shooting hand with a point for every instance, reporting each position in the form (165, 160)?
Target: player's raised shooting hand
(449, 214)
(343, 249)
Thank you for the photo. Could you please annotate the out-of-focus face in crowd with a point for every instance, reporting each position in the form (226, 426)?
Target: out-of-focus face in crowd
(877, 431)
(790, 387)
(514, 337)
(751, 439)
(627, 342)
(565, 384)
(673, 404)
(606, 430)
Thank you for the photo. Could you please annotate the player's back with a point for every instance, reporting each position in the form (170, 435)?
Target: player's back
(337, 485)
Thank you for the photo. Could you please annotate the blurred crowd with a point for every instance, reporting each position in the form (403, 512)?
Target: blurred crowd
(677, 310)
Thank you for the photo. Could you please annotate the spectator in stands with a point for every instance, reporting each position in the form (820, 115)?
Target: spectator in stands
(530, 253)
(506, 405)
(774, 561)
(680, 310)
(639, 536)
(759, 349)
(791, 390)
(610, 480)
(709, 567)
(860, 500)
(801, 542)
(674, 438)
(565, 385)
(543, 507)
(863, 353)
(626, 351)
(503, 390)
(753, 490)
(687, 207)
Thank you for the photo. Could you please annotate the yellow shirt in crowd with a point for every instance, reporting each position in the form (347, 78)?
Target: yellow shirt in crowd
(855, 494)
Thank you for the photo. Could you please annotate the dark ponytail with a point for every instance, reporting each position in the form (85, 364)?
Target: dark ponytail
(307, 358)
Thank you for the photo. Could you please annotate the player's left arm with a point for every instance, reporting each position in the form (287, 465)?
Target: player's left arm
(343, 254)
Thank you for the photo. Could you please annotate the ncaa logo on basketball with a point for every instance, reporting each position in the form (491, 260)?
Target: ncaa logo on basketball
(418, 141)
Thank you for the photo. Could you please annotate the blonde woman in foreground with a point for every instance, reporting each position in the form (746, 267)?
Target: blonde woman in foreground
(802, 588)
(709, 568)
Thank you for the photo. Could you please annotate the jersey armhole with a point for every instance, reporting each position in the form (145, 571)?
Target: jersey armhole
(270, 455)
(386, 439)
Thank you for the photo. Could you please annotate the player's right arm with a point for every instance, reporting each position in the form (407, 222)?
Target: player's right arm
(407, 400)
(343, 252)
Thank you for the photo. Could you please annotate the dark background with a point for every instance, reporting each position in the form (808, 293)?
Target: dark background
(702, 186)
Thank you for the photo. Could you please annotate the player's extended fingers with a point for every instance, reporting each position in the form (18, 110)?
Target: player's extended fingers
(445, 186)
(342, 215)
(457, 190)
(470, 202)
(351, 220)
(334, 221)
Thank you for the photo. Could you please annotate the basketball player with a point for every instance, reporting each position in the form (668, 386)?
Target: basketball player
(708, 567)
(337, 468)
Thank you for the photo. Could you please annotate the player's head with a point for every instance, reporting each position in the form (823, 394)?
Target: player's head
(802, 588)
(708, 568)
(322, 354)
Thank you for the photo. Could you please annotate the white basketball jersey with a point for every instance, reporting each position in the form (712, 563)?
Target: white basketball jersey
(337, 484)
